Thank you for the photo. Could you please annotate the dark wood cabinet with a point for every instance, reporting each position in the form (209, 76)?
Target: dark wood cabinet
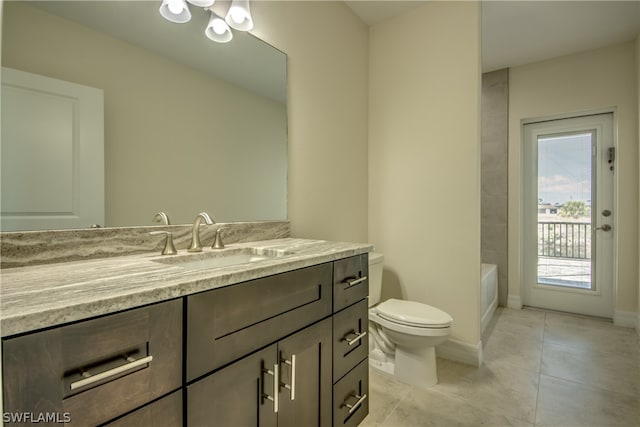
(350, 338)
(287, 384)
(227, 323)
(90, 372)
(351, 396)
(236, 395)
(305, 375)
(166, 412)
(350, 281)
(286, 350)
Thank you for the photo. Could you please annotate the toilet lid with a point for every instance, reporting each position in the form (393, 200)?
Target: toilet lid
(413, 313)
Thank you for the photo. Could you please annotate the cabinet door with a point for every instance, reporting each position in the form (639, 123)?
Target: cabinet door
(305, 377)
(236, 395)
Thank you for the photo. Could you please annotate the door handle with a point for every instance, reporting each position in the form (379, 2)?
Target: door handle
(356, 337)
(356, 405)
(352, 281)
(291, 387)
(604, 227)
(276, 386)
(90, 379)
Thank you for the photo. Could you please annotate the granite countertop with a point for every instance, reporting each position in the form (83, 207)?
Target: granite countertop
(37, 297)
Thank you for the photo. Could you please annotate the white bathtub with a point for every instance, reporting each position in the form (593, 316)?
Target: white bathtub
(488, 293)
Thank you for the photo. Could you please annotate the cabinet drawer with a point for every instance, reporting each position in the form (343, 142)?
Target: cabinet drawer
(166, 412)
(225, 324)
(350, 338)
(98, 369)
(351, 396)
(350, 281)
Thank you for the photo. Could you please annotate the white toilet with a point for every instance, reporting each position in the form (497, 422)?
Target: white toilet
(404, 333)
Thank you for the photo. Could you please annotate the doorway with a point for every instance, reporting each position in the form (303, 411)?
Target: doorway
(568, 220)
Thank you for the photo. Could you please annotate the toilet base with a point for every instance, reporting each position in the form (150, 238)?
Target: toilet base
(416, 366)
(381, 361)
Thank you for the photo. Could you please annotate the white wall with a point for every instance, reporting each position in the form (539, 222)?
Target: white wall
(594, 80)
(424, 158)
(327, 48)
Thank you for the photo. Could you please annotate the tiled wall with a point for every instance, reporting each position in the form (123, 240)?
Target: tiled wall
(494, 172)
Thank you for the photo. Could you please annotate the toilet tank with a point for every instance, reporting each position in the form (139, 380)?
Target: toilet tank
(375, 277)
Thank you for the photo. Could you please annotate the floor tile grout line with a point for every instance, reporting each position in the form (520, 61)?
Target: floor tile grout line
(592, 387)
(535, 412)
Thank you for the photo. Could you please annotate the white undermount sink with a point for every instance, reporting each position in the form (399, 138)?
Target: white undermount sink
(217, 259)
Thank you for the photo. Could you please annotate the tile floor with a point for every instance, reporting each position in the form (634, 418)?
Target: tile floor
(540, 369)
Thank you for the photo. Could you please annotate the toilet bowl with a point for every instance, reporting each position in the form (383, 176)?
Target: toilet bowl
(404, 333)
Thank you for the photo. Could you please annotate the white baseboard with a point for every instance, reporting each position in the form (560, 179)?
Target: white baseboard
(626, 319)
(461, 351)
(514, 301)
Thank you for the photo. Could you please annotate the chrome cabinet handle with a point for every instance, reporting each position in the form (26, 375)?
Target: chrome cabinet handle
(276, 386)
(356, 405)
(354, 281)
(292, 387)
(90, 379)
(358, 337)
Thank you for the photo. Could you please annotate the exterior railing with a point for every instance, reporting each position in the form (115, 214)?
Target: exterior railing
(564, 240)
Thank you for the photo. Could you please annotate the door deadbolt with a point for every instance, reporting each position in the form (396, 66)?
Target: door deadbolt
(605, 227)
(606, 212)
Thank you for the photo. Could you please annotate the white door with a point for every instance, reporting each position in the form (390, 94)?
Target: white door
(569, 229)
(52, 153)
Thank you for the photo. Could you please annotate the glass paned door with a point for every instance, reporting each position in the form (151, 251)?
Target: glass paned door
(564, 177)
(568, 215)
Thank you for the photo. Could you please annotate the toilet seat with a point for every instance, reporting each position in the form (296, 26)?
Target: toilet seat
(414, 314)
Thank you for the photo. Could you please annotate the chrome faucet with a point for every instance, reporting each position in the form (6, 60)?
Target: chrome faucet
(195, 231)
(161, 218)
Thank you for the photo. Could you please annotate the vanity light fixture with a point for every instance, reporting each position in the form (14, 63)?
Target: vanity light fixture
(202, 3)
(218, 29)
(239, 15)
(178, 11)
(175, 11)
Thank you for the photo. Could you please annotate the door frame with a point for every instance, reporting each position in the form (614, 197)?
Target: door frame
(517, 302)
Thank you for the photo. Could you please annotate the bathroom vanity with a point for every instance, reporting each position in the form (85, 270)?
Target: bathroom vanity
(277, 339)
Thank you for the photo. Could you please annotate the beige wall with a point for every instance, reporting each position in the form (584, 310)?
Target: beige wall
(327, 48)
(594, 80)
(638, 87)
(170, 131)
(424, 158)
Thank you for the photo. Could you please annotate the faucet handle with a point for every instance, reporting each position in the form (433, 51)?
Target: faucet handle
(217, 243)
(169, 248)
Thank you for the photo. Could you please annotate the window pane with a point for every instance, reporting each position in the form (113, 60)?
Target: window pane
(564, 210)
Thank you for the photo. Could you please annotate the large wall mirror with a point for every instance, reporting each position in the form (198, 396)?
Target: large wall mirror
(190, 125)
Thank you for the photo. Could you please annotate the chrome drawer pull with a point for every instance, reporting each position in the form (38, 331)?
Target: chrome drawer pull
(276, 386)
(292, 387)
(354, 281)
(90, 379)
(356, 405)
(358, 337)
